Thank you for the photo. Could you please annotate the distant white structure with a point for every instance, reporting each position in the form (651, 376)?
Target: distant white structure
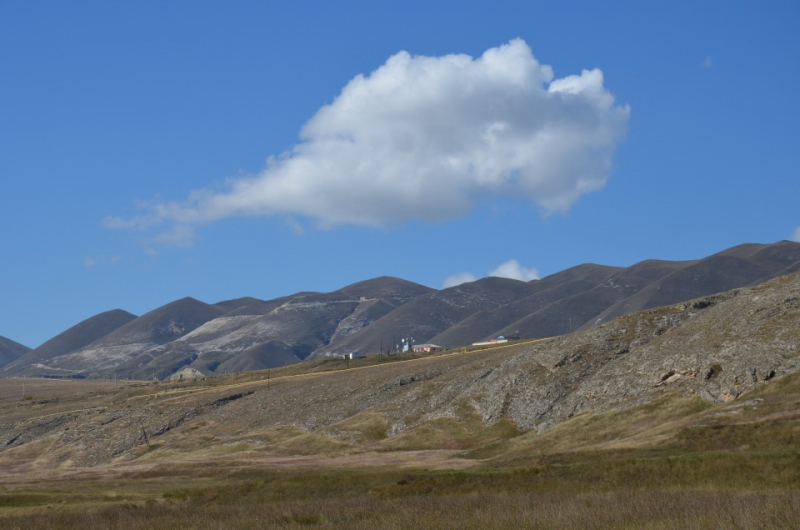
(427, 348)
(499, 340)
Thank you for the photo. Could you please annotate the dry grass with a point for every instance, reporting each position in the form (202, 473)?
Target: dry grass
(254, 504)
(462, 432)
(37, 388)
(674, 463)
(365, 427)
(641, 427)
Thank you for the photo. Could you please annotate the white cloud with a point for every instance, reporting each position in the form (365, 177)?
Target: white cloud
(424, 138)
(512, 269)
(458, 279)
(796, 235)
(708, 62)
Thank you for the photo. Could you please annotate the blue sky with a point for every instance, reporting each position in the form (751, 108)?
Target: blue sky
(135, 139)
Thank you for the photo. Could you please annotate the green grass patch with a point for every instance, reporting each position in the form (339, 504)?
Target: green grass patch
(366, 427)
(461, 433)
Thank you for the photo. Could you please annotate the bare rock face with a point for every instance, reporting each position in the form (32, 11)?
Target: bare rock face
(187, 373)
(716, 347)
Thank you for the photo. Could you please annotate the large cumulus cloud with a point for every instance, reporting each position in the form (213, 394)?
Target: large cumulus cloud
(425, 138)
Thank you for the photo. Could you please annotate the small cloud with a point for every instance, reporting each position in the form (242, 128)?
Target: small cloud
(796, 235)
(181, 236)
(512, 269)
(89, 262)
(458, 279)
(708, 62)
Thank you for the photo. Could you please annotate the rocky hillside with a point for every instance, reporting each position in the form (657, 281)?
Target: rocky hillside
(365, 318)
(711, 349)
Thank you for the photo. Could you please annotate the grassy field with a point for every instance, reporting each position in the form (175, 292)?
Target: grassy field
(598, 490)
(677, 462)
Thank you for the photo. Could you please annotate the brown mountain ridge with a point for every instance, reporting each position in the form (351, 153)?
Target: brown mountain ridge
(369, 317)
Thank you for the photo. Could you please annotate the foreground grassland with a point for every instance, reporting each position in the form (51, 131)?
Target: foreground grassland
(635, 490)
(677, 462)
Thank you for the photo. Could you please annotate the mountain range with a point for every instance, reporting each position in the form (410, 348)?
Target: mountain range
(371, 317)
(652, 379)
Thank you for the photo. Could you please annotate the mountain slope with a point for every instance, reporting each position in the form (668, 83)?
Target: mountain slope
(301, 324)
(236, 303)
(73, 339)
(386, 288)
(10, 351)
(569, 313)
(273, 333)
(162, 325)
(485, 324)
(429, 315)
(739, 266)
